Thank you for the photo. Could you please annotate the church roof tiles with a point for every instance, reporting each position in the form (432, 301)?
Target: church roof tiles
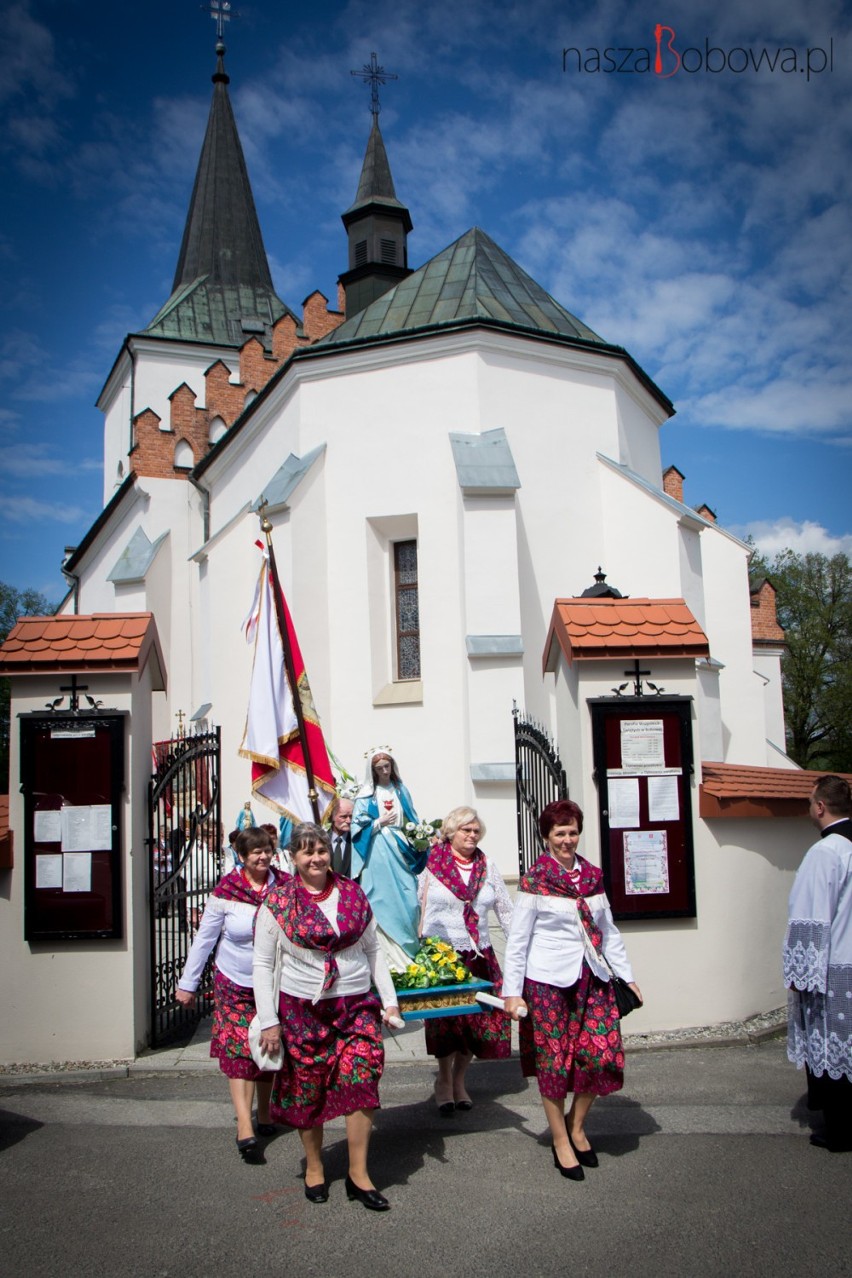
(92, 642)
(737, 791)
(589, 629)
(472, 279)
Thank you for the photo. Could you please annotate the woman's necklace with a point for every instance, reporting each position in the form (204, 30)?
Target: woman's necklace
(325, 892)
(260, 888)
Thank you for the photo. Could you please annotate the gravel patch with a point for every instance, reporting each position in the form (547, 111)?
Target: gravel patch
(754, 1030)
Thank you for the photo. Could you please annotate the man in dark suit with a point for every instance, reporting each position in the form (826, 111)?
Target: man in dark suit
(340, 823)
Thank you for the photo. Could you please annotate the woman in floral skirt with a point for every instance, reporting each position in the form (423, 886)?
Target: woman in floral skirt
(227, 924)
(328, 1017)
(561, 940)
(457, 889)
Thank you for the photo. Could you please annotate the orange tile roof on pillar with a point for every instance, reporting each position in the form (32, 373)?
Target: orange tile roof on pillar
(736, 790)
(105, 642)
(598, 629)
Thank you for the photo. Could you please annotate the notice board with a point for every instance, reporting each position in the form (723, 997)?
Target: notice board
(72, 778)
(643, 768)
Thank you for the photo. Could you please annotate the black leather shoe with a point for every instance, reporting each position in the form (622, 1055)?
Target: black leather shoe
(585, 1157)
(317, 1193)
(570, 1173)
(833, 1146)
(371, 1198)
(249, 1150)
(266, 1129)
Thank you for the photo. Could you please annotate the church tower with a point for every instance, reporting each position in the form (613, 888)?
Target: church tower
(222, 289)
(178, 386)
(377, 223)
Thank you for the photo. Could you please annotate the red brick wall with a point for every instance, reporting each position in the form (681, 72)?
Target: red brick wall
(764, 622)
(673, 483)
(154, 449)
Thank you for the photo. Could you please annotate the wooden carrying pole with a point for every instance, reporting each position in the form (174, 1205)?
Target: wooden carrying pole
(289, 669)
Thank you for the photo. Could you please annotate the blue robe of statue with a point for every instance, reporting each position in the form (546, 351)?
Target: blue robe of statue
(389, 866)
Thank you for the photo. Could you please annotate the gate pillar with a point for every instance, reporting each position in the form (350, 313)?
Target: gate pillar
(74, 936)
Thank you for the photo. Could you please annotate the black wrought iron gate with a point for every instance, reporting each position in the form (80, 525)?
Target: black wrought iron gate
(539, 779)
(185, 846)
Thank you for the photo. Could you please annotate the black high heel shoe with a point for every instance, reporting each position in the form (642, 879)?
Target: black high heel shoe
(317, 1193)
(585, 1157)
(570, 1173)
(249, 1150)
(371, 1198)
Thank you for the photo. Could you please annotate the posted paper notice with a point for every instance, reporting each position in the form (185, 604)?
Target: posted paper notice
(642, 742)
(87, 829)
(646, 862)
(77, 872)
(663, 801)
(623, 796)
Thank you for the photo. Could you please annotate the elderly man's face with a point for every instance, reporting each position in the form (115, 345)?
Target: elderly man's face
(342, 819)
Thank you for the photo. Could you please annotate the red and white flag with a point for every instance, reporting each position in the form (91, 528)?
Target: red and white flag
(272, 740)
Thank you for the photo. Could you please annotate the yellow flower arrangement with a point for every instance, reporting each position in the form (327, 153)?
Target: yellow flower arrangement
(435, 963)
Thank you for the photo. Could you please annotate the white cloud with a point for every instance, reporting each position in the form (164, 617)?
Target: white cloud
(33, 461)
(22, 509)
(773, 536)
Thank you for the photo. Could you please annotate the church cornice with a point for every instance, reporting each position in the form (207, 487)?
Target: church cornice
(435, 342)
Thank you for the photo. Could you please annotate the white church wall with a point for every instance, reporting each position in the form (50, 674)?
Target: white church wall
(767, 667)
(726, 964)
(711, 738)
(691, 575)
(641, 551)
(117, 403)
(728, 628)
(639, 420)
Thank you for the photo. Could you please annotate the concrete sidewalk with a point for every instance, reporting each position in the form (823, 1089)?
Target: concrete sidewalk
(705, 1169)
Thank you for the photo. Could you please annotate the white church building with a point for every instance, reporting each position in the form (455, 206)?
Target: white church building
(469, 513)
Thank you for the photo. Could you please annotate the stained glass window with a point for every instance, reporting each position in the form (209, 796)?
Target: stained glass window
(407, 610)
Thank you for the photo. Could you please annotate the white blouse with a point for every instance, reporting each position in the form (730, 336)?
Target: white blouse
(302, 970)
(442, 913)
(547, 943)
(230, 924)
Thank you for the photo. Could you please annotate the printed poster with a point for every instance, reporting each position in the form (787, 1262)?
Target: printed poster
(646, 863)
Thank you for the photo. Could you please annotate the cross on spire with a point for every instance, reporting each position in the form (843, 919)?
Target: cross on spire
(220, 12)
(376, 75)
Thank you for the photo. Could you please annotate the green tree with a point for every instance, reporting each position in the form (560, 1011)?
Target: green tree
(13, 604)
(815, 608)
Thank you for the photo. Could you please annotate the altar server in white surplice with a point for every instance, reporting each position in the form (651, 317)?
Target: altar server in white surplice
(818, 965)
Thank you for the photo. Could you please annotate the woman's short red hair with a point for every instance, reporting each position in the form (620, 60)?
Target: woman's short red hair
(562, 812)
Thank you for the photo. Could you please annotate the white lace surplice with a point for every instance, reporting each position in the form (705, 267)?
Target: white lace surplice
(818, 960)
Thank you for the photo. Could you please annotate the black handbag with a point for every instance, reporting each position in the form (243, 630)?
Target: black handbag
(625, 998)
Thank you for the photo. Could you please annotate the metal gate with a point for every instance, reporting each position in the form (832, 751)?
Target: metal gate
(539, 779)
(185, 839)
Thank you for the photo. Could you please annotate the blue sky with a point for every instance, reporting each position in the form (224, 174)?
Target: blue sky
(701, 218)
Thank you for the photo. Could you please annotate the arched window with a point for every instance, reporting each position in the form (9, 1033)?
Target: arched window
(217, 430)
(184, 456)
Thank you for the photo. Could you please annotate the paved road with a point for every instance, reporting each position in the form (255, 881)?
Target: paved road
(705, 1169)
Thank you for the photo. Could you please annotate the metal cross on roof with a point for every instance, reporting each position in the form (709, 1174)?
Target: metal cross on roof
(220, 12)
(376, 75)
